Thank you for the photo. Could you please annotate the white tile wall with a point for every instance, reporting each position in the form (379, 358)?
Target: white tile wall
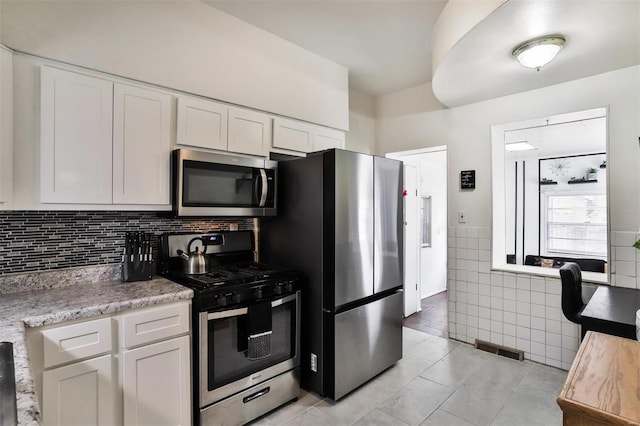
(518, 310)
(625, 260)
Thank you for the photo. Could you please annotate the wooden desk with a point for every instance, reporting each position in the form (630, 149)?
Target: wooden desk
(612, 310)
(603, 385)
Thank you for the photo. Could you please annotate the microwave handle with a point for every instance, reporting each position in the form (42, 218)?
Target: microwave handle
(265, 188)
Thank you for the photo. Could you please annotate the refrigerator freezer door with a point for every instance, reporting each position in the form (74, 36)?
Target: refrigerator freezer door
(388, 187)
(368, 340)
(353, 191)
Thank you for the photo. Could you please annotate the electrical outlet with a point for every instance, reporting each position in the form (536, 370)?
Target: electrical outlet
(462, 217)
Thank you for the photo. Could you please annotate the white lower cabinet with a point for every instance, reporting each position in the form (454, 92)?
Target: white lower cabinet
(138, 373)
(156, 384)
(79, 394)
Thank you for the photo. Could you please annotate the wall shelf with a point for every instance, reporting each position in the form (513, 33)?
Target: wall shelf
(572, 182)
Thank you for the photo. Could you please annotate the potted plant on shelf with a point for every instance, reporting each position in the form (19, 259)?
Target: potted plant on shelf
(592, 174)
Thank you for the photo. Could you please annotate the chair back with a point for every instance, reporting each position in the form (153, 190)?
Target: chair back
(572, 303)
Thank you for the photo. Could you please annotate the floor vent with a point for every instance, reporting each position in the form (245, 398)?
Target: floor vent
(499, 350)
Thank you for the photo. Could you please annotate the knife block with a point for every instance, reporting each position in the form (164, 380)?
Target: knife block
(136, 270)
(137, 262)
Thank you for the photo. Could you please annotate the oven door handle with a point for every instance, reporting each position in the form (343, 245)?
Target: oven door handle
(244, 311)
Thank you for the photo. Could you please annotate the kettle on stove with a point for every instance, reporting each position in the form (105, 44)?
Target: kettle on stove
(195, 262)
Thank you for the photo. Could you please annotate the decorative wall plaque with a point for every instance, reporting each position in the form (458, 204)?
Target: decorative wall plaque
(468, 179)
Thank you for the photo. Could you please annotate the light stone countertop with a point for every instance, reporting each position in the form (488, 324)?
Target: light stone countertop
(51, 304)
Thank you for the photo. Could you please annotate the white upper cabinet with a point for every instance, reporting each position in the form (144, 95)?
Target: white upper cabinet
(325, 138)
(292, 135)
(75, 138)
(249, 132)
(302, 137)
(212, 125)
(141, 145)
(6, 128)
(103, 142)
(202, 123)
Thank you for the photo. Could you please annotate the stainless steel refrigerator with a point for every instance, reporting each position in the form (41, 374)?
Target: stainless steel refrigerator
(340, 223)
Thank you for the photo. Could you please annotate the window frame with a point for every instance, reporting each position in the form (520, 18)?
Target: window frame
(544, 224)
(425, 220)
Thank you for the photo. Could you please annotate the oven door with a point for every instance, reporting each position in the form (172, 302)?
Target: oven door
(225, 368)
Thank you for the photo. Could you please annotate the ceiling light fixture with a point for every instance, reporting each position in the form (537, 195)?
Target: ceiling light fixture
(519, 146)
(538, 52)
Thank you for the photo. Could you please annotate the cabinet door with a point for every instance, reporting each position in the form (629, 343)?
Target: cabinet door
(249, 132)
(79, 394)
(156, 384)
(75, 138)
(202, 123)
(293, 135)
(6, 127)
(141, 145)
(327, 139)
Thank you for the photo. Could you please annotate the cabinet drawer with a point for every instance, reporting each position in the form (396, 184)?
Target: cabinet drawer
(155, 324)
(77, 341)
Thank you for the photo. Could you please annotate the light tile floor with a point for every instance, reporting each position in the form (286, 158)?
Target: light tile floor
(438, 382)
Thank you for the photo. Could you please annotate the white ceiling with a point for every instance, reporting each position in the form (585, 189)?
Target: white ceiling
(386, 44)
(602, 35)
(570, 138)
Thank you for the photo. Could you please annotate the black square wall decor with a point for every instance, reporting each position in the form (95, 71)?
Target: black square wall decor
(468, 179)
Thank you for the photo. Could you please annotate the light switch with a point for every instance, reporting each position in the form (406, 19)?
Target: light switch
(462, 217)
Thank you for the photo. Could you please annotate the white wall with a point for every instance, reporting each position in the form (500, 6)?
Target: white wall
(187, 46)
(362, 123)
(520, 310)
(466, 132)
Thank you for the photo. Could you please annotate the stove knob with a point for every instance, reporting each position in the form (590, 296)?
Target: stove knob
(258, 293)
(237, 298)
(279, 288)
(289, 285)
(222, 300)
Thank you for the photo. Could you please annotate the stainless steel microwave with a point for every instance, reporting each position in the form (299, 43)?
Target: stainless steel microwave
(206, 184)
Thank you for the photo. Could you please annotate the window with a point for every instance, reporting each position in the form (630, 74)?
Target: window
(575, 224)
(425, 215)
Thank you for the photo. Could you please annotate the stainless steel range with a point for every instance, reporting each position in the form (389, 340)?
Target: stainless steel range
(246, 322)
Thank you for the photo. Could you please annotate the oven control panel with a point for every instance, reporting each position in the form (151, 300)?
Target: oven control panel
(243, 294)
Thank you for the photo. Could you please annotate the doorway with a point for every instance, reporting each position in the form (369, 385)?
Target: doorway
(425, 224)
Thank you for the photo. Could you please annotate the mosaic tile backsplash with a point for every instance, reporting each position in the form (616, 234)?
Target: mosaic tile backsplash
(46, 240)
